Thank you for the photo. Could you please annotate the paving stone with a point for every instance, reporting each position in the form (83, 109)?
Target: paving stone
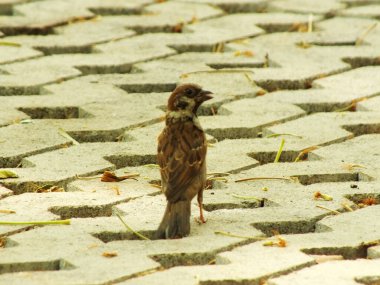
(235, 6)
(336, 92)
(63, 165)
(42, 16)
(5, 192)
(102, 72)
(369, 162)
(10, 116)
(10, 54)
(168, 16)
(16, 145)
(374, 252)
(338, 272)
(258, 114)
(342, 125)
(75, 37)
(297, 6)
(372, 104)
(368, 11)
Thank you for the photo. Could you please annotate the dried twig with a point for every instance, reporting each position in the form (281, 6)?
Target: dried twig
(292, 179)
(57, 222)
(360, 39)
(327, 209)
(237, 236)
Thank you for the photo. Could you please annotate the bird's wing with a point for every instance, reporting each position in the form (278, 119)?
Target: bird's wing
(181, 155)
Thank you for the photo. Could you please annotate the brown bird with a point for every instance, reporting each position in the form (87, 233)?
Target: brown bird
(181, 156)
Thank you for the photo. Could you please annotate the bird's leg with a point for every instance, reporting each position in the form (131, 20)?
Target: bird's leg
(200, 200)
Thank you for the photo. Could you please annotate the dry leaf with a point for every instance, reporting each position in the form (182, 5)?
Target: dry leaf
(109, 254)
(178, 27)
(109, 176)
(369, 201)
(3, 242)
(50, 188)
(246, 53)
(303, 44)
(7, 174)
(304, 152)
(319, 195)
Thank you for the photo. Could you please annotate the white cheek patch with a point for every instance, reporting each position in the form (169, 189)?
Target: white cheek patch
(180, 114)
(190, 102)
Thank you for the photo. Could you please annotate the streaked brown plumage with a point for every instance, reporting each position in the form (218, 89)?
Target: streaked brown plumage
(181, 156)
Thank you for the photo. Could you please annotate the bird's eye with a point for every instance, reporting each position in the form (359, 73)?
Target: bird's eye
(189, 91)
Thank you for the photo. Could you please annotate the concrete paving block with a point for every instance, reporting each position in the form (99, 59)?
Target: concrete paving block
(11, 116)
(234, 6)
(335, 272)
(335, 92)
(372, 104)
(75, 37)
(307, 172)
(368, 163)
(368, 11)
(5, 192)
(71, 265)
(104, 77)
(42, 16)
(337, 34)
(258, 113)
(63, 165)
(289, 66)
(132, 188)
(297, 6)
(326, 131)
(247, 270)
(41, 137)
(10, 54)
(167, 16)
(374, 252)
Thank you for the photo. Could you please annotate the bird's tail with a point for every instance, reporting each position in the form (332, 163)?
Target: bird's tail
(176, 220)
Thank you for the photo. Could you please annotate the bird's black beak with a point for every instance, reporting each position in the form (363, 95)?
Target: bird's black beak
(205, 95)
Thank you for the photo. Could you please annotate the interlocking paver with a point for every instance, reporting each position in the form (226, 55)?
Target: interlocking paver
(84, 86)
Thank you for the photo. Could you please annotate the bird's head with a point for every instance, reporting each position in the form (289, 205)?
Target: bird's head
(188, 97)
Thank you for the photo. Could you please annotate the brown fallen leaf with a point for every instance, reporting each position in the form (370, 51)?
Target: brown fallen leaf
(3, 242)
(178, 27)
(50, 188)
(109, 176)
(304, 152)
(369, 201)
(109, 254)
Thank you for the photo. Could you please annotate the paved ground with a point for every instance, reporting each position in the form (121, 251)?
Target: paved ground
(83, 87)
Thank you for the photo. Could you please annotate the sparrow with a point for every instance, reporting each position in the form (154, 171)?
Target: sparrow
(181, 155)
